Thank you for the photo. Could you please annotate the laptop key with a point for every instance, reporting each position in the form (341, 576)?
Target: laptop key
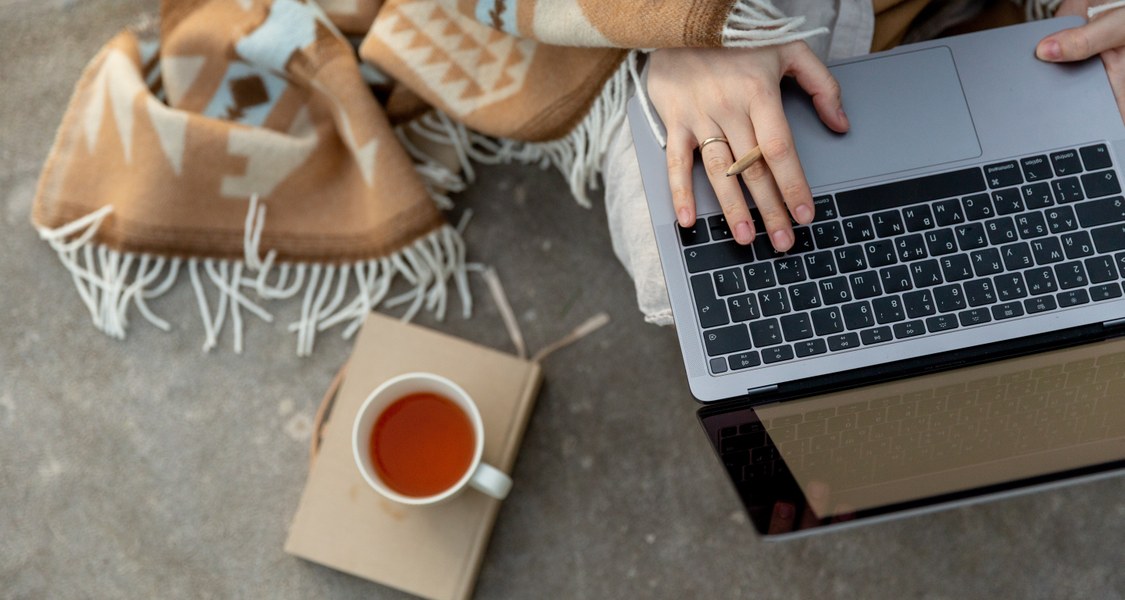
(950, 297)
(790, 269)
(728, 281)
(880, 253)
(777, 354)
(819, 264)
(948, 212)
(909, 329)
(876, 335)
(718, 366)
(1003, 174)
(827, 235)
(1010, 286)
(1106, 291)
(1007, 201)
(1100, 269)
(824, 208)
(802, 241)
(974, 316)
(859, 229)
(743, 360)
(926, 273)
(759, 276)
(810, 347)
(1001, 231)
(895, 279)
(910, 247)
(726, 340)
(971, 236)
(1120, 258)
(1102, 183)
(919, 304)
(978, 207)
(1067, 189)
(986, 262)
(939, 323)
(804, 296)
(1040, 280)
(1071, 275)
(1110, 238)
(743, 308)
(1016, 256)
(844, 341)
(1061, 219)
(1036, 168)
(941, 242)
(956, 267)
(696, 234)
(1095, 157)
(1041, 304)
(773, 302)
(865, 285)
(766, 333)
(918, 218)
(888, 224)
(827, 321)
(849, 259)
(1047, 251)
(858, 315)
(1101, 212)
(1072, 298)
(888, 310)
(718, 227)
(1037, 195)
(1007, 310)
(911, 191)
(1078, 245)
(1066, 162)
(717, 256)
(835, 290)
(1031, 225)
(763, 247)
(712, 311)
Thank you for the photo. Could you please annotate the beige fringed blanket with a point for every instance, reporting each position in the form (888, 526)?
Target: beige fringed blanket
(269, 149)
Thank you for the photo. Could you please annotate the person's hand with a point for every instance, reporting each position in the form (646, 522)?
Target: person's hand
(1104, 35)
(735, 94)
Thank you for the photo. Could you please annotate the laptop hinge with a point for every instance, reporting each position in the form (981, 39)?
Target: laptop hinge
(761, 390)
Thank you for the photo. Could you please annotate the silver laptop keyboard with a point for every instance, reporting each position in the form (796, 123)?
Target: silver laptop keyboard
(898, 260)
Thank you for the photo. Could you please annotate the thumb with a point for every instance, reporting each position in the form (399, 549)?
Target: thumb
(1080, 43)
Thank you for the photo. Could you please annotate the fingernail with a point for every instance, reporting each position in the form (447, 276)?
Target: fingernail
(1050, 50)
(785, 510)
(742, 233)
(781, 240)
(804, 214)
(685, 218)
(840, 114)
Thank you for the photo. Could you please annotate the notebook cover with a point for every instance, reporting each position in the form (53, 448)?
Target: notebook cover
(431, 551)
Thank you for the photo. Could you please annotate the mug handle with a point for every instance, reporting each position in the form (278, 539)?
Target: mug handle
(491, 481)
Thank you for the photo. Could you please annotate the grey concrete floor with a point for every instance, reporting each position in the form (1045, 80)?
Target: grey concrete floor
(145, 468)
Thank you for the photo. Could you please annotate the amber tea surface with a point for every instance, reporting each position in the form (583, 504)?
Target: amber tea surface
(422, 444)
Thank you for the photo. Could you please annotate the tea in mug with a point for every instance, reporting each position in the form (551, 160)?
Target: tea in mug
(422, 444)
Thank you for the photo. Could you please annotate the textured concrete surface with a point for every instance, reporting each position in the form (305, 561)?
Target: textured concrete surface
(147, 469)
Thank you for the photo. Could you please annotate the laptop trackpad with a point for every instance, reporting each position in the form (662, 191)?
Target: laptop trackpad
(906, 111)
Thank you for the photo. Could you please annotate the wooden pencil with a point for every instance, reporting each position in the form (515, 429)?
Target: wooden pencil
(744, 163)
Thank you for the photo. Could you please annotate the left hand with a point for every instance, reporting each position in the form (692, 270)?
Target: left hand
(1104, 35)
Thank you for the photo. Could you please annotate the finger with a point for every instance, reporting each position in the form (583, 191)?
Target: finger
(716, 158)
(781, 521)
(760, 183)
(817, 80)
(780, 154)
(681, 147)
(1080, 43)
(1115, 68)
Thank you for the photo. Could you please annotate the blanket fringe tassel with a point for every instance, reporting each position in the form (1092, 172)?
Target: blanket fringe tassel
(578, 155)
(109, 282)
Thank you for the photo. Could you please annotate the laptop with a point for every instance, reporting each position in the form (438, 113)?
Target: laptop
(945, 331)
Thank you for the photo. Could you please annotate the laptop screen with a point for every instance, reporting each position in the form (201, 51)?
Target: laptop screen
(920, 443)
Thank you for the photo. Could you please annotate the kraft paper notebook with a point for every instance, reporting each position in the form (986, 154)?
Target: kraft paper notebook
(431, 551)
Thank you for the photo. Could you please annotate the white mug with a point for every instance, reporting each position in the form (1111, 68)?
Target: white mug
(479, 475)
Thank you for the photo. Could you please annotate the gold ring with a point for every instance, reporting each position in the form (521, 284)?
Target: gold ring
(712, 139)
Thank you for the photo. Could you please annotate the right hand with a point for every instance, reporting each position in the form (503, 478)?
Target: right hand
(735, 93)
